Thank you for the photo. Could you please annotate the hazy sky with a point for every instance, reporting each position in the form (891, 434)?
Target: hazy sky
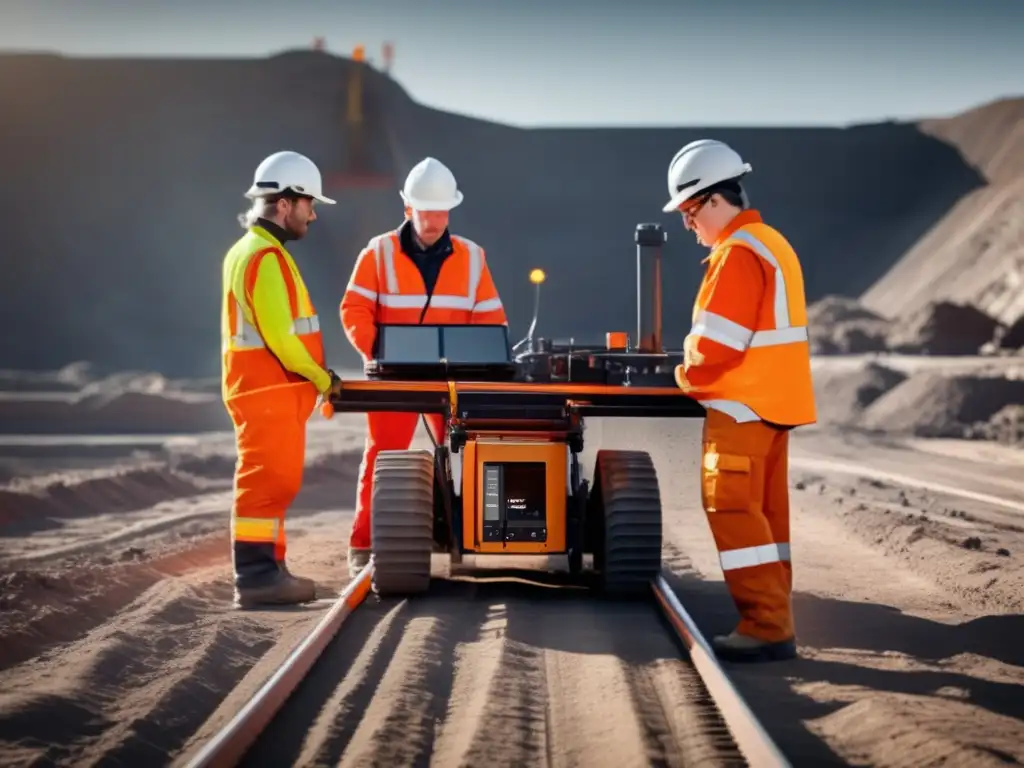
(572, 62)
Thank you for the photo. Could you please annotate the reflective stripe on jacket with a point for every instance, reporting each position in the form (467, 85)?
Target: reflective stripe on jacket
(747, 353)
(387, 287)
(247, 362)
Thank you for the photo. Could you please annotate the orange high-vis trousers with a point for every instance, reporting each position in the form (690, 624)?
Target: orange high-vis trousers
(745, 492)
(385, 432)
(270, 435)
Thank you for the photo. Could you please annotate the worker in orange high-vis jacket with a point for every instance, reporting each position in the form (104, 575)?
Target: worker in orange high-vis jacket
(273, 374)
(417, 273)
(747, 360)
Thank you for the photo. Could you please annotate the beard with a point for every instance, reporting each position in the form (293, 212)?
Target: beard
(297, 226)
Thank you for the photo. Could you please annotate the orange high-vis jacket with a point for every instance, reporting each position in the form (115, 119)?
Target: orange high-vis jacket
(386, 287)
(747, 353)
(269, 327)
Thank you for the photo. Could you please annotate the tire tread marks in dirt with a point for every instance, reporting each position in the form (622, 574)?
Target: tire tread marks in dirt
(400, 723)
(681, 726)
(321, 716)
(402, 523)
(379, 694)
(512, 727)
(629, 503)
(622, 696)
(499, 672)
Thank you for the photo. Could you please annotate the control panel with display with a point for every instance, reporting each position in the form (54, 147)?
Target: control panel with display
(515, 496)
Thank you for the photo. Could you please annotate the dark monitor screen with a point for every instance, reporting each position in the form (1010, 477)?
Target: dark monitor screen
(475, 344)
(456, 344)
(420, 344)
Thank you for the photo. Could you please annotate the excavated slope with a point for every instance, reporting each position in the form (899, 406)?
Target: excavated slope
(123, 179)
(975, 254)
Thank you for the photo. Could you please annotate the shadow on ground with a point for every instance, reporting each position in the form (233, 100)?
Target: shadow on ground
(826, 623)
(544, 613)
(419, 639)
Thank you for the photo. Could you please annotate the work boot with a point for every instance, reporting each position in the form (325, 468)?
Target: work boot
(284, 589)
(358, 557)
(738, 647)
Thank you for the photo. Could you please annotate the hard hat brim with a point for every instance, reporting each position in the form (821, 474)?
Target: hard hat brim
(682, 197)
(255, 192)
(678, 200)
(432, 205)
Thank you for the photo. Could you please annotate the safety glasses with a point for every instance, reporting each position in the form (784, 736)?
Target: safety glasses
(692, 208)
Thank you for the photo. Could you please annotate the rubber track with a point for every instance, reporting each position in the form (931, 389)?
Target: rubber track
(402, 521)
(630, 502)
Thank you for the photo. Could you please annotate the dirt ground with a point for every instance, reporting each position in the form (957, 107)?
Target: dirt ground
(907, 596)
(118, 643)
(117, 637)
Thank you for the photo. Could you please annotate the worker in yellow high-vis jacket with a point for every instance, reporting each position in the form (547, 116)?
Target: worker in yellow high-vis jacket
(273, 374)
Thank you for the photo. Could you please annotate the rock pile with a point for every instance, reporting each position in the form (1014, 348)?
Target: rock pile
(943, 328)
(1012, 337)
(840, 325)
(841, 396)
(931, 404)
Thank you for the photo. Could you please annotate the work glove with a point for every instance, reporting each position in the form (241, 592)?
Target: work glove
(335, 389)
(324, 400)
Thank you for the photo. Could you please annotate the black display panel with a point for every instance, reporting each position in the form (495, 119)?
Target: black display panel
(455, 344)
(515, 501)
(475, 344)
(439, 352)
(420, 344)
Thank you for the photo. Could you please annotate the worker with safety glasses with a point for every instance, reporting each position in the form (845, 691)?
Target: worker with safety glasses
(747, 360)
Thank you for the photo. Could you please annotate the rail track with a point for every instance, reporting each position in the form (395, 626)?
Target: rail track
(496, 671)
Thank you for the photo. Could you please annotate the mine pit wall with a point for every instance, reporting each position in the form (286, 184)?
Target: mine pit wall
(974, 254)
(123, 179)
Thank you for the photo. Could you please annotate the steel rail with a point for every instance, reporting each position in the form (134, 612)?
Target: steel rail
(751, 738)
(230, 744)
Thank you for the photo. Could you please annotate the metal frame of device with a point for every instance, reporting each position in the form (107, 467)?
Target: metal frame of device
(494, 423)
(503, 410)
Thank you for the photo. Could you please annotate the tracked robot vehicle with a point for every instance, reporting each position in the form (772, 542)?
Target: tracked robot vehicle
(508, 489)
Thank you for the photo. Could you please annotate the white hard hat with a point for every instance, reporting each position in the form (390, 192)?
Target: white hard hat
(699, 165)
(430, 186)
(287, 170)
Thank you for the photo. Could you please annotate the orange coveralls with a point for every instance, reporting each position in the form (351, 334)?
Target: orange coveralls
(387, 286)
(747, 359)
(272, 371)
